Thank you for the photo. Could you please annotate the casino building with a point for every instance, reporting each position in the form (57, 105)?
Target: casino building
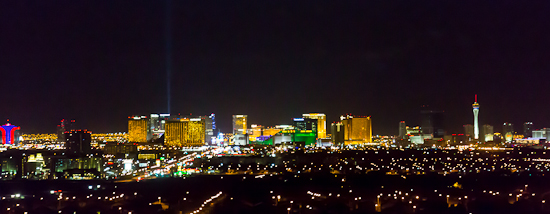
(10, 134)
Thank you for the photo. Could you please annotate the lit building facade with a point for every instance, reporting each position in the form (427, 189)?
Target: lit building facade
(508, 132)
(138, 129)
(254, 132)
(414, 130)
(488, 132)
(270, 131)
(210, 127)
(239, 140)
(321, 123)
(416, 135)
(240, 124)
(10, 134)
(357, 129)
(121, 150)
(542, 133)
(185, 132)
(402, 129)
(156, 125)
(305, 124)
(78, 168)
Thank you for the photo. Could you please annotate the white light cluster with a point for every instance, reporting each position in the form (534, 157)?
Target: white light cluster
(206, 202)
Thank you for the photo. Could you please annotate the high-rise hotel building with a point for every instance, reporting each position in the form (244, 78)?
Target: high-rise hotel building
(357, 129)
(156, 124)
(508, 131)
(240, 124)
(488, 132)
(402, 129)
(10, 134)
(138, 129)
(184, 132)
(321, 123)
(528, 129)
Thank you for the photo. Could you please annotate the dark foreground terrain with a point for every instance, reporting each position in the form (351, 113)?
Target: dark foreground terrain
(290, 191)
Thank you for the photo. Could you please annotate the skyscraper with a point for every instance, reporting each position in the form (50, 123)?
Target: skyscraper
(469, 130)
(402, 129)
(78, 143)
(321, 123)
(357, 129)
(488, 132)
(213, 117)
(475, 107)
(138, 129)
(240, 124)
(209, 126)
(184, 132)
(337, 133)
(528, 129)
(65, 126)
(432, 122)
(156, 125)
(10, 134)
(508, 131)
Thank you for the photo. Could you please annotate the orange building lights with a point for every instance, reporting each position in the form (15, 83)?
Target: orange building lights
(321, 123)
(357, 130)
(184, 132)
(138, 129)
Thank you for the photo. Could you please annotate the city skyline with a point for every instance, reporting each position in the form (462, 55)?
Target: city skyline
(396, 131)
(246, 107)
(273, 62)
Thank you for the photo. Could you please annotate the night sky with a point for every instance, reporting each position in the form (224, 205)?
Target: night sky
(101, 61)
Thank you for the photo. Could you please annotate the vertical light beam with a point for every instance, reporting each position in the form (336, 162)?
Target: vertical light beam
(168, 49)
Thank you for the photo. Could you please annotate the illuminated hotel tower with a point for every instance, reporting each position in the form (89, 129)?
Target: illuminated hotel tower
(239, 124)
(321, 123)
(475, 106)
(138, 129)
(9, 134)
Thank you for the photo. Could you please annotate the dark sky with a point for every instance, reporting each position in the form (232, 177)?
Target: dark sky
(101, 61)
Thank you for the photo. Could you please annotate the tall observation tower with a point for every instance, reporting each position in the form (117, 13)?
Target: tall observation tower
(475, 106)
